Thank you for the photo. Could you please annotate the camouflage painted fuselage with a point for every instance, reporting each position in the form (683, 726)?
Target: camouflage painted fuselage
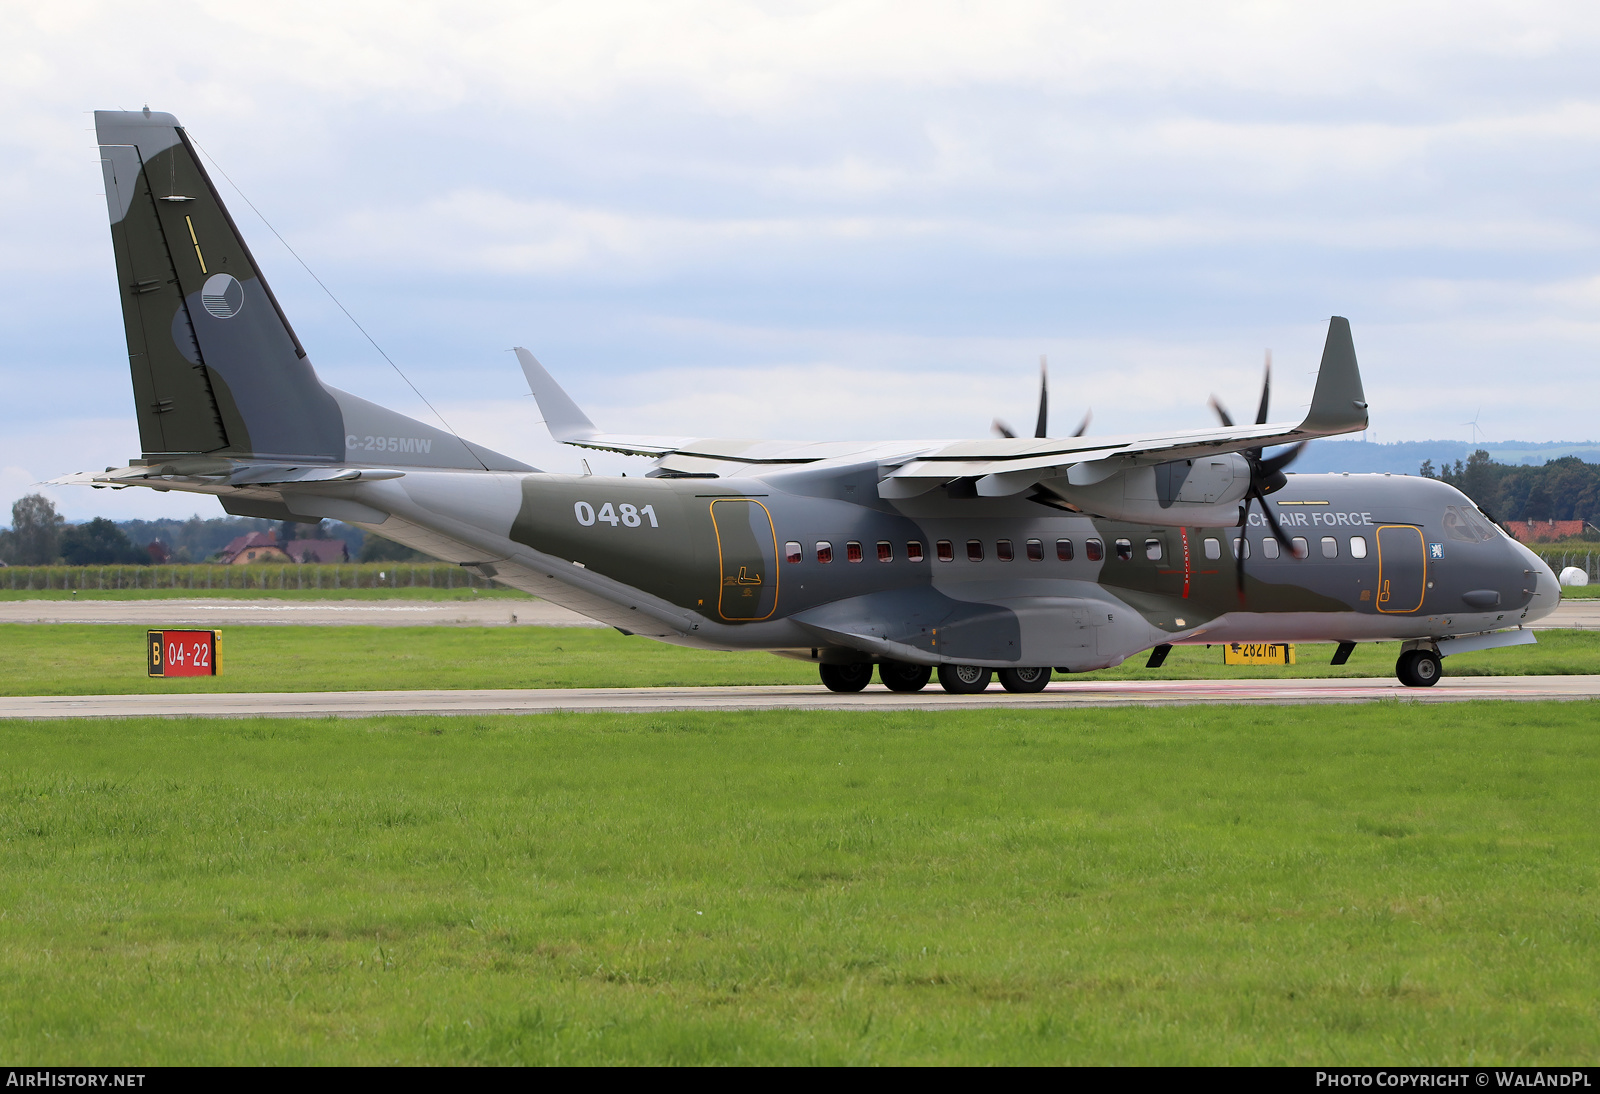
(813, 563)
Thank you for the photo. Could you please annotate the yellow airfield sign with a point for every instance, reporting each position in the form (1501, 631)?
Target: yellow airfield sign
(1258, 653)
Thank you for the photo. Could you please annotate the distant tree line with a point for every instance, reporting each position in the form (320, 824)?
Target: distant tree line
(39, 536)
(1563, 489)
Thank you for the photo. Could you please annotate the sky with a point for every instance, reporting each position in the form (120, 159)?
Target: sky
(832, 220)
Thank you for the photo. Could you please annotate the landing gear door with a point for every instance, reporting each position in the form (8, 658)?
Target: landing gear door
(747, 558)
(1402, 568)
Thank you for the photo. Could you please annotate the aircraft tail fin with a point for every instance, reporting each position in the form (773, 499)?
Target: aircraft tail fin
(1338, 405)
(216, 366)
(217, 369)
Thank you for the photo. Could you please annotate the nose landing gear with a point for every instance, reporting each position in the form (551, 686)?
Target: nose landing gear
(1419, 668)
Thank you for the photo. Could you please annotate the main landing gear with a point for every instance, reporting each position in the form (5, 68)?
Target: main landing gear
(1419, 668)
(955, 679)
(964, 679)
(899, 676)
(845, 677)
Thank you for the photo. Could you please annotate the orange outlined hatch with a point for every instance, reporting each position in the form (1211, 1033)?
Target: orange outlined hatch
(747, 560)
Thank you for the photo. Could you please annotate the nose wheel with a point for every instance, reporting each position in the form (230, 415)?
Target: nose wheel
(1419, 668)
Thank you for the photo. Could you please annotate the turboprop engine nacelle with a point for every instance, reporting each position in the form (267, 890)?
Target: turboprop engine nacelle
(1203, 492)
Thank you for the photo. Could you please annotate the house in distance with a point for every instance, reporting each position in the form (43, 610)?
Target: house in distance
(264, 547)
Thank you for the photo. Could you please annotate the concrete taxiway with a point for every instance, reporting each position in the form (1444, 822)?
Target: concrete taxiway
(1058, 696)
(217, 612)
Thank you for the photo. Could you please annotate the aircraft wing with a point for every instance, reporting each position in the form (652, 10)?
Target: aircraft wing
(1011, 465)
(998, 467)
(570, 425)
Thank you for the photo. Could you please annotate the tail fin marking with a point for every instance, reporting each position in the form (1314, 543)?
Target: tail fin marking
(217, 369)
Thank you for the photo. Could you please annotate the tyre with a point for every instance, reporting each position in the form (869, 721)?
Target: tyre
(1419, 668)
(1402, 667)
(845, 677)
(899, 676)
(1024, 680)
(964, 679)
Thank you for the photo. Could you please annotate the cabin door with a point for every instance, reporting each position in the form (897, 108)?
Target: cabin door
(1402, 568)
(747, 558)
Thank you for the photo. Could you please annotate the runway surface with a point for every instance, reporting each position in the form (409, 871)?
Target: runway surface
(1062, 695)
(218, 612)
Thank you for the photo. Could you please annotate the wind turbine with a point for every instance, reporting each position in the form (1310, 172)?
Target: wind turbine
(1474, 424)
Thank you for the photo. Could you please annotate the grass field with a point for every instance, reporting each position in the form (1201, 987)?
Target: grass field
(83, 659)
(1391, 884)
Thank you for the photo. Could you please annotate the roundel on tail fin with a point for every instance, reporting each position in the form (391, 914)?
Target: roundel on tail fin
(222, 295)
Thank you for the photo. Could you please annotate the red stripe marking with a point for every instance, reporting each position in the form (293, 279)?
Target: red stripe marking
(1187, 570)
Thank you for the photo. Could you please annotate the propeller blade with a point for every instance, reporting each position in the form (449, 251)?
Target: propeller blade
(1222, 414)
(1083, 426)
(1243, 545)
(1002, 429)
(1266, 391)
(1282, 459)
(1044, 398)
(1272, 520)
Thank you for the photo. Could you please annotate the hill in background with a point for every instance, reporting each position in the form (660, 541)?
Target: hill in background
(1405, 457)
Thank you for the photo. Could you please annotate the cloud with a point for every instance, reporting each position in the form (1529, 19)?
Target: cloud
(839, 219)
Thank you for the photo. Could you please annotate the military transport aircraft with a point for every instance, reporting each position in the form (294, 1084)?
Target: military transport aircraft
(1017, 554)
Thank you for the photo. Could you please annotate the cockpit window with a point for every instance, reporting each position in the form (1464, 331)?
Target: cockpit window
(1465, 523)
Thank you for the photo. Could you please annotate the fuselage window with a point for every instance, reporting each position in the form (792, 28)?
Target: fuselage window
(914, 551)
(1213, 548)
(947, 551)
(1035, 551)
(792, 551)
(1241, 545)
(1300, 548)
(1330, 547)
(1269, 547)
(885, 551)
(1124, 550)
(1358, 546)
(1152, 550)
(974, 550)
(1064, 550)
(852, 551)
(824, 551)
(1094, 550)
(1003, 551)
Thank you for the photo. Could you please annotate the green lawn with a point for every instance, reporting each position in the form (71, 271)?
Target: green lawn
(74, 659)
(1389, 884)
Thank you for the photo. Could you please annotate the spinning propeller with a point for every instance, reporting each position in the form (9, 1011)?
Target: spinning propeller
(1266, 475)
(1005, 430)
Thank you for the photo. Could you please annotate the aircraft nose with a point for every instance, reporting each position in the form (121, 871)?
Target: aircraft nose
(1546, 589)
